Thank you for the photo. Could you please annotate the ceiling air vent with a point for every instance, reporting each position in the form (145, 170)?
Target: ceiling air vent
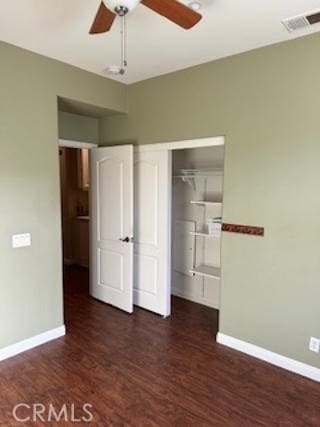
(302, 21)
(314, 18)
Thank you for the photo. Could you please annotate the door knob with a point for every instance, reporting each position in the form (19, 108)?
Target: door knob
(125, 240)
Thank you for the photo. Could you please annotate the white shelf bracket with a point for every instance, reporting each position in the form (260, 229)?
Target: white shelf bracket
(190, 180)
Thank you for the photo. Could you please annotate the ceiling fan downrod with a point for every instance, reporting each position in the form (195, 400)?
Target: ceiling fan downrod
(124, 62)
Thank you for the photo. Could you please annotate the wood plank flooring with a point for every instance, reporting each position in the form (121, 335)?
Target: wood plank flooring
(141, 370)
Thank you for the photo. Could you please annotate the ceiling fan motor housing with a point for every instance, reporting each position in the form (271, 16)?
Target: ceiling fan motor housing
(121, 10)
(121, 7)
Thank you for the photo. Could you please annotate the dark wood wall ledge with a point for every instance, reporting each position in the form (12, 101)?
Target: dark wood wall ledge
(243, 229)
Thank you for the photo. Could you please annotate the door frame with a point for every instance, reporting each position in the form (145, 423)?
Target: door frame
(68, 143)
(184, 144)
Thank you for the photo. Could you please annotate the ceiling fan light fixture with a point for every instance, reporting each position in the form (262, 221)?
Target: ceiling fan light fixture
(120, 5)
(114, 70)
(195, 5)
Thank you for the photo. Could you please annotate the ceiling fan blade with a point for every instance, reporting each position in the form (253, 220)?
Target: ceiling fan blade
(175, 11)
(103, 20)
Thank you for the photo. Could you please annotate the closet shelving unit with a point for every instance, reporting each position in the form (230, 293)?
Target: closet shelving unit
(206, 271)
(203, 234)
(194, 173)
(205, 203)
(192, 177)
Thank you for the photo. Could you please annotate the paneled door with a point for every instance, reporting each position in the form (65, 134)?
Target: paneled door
(152, 193)
(111, 252)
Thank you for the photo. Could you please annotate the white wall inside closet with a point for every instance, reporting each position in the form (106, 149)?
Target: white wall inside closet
(196, 253)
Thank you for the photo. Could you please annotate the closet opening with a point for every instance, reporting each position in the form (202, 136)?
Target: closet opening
(197, 204)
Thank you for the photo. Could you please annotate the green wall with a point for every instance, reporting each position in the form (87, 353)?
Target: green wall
(31, 278)
(267, 104)
(78, 128)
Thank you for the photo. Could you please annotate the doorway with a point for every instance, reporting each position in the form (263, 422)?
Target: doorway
(178, 196)
(197, 200)
(75, 214)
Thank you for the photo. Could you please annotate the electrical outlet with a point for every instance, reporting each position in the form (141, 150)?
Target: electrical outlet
(314, 344)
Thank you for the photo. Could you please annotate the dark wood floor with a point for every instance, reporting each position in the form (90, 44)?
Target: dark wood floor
(142, 370)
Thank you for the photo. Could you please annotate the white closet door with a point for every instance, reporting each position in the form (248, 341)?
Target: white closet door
(111, 272)
(152, 193)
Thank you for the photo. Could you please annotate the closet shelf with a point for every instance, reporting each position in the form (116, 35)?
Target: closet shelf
(205, 203)
(203, 234)
(206, 271)
(190, 175)
(195, 173)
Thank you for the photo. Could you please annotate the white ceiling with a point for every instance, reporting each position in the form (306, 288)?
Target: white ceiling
(59, 29)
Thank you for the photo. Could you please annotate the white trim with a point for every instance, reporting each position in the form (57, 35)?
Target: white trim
(270, 357)
(182, 145)
(29, 343)
(75, 144)
(169, 243)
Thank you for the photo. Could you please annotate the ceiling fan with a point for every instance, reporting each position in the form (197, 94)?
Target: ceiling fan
(173, 10)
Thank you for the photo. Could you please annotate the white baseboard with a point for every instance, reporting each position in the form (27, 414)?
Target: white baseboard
(29, 343)
(270, 357)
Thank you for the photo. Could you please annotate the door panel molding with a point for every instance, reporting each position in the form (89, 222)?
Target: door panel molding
(104, 266)
(146, 202)
(116, 200)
